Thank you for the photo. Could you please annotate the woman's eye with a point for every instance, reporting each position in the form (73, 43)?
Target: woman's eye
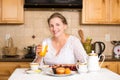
(51, 26)
(56, 25)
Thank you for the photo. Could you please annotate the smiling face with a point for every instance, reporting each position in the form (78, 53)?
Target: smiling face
(57, 24)
(57, 27)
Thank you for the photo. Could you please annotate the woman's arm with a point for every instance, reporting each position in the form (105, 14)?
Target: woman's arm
(37, 59)
(79, 50)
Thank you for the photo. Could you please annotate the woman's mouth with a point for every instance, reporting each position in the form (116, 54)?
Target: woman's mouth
(55, 32)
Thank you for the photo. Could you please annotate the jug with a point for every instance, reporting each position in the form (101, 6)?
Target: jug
(98, 47)
(93, 62)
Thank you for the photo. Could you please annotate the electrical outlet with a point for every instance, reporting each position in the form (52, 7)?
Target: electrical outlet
(107, 37)
(7, 36)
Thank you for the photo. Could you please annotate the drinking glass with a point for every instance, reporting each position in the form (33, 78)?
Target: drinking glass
(44, 49)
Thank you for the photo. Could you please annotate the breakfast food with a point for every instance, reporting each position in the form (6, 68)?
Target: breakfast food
(60, 70)
(67, 71)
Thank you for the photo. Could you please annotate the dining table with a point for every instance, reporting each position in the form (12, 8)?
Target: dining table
(102, 74)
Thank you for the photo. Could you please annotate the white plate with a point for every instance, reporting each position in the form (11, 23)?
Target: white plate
(59, 75)
(29, 71)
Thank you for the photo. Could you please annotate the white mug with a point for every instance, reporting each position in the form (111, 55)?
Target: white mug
(34, 66)
(81, 68)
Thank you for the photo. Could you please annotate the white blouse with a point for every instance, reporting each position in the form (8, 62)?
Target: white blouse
(69, 54)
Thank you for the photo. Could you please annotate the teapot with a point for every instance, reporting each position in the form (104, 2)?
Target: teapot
(93, 62)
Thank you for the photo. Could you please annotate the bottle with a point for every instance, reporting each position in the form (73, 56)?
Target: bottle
(44, 49)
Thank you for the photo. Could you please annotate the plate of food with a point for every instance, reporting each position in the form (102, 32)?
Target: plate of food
(60, 72)
(29, 71)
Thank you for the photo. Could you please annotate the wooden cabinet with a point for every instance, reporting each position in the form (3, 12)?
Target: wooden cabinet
(94, 11)
(118, 67)
(7, 68)
(101, 12)
(0, 10)
(115, 11)
(11, 11)
(110, 65)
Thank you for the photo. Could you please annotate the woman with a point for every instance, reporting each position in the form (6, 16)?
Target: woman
(62, 47)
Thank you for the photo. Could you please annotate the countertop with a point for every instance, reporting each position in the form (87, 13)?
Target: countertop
(20, 59)
(15, 59)
(110, 58)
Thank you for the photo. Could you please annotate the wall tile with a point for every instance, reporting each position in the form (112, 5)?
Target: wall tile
(36, 24)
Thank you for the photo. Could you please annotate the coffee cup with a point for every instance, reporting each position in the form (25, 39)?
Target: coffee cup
(81, 68)
(34, 66)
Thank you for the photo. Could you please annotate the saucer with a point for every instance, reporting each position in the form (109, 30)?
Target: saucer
(29, 71)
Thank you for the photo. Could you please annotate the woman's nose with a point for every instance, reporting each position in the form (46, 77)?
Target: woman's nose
(54, 28)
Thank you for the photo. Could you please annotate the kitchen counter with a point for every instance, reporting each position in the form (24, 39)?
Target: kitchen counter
(15, 59)
(110, 58)
(19, 59)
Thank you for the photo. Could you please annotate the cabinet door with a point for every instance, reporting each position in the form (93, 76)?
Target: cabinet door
(110, 65)
(115, 11)
(12, 11)
(0, 10)
(94, 11)
(118, 68)
(7, 68)
(3, 77)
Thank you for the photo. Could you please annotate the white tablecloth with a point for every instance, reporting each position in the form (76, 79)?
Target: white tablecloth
(103, 74)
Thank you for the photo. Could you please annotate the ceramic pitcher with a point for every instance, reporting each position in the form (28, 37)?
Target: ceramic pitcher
(93, 62)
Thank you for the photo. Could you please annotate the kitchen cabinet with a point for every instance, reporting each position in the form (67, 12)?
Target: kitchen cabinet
(118, 67)
(115, 11)
(110, 65)
(7, 68)
(11, 11)
(0, 10)
(101, 12)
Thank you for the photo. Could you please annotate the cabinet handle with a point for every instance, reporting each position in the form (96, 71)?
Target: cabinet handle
(106, 66)
(9, 72)
(18, 66)
(103, 1)
(117, 1)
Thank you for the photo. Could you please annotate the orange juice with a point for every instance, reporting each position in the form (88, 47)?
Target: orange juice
(44, 49)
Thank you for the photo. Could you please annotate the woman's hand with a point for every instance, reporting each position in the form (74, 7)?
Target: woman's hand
(38, 50)
(38, 57)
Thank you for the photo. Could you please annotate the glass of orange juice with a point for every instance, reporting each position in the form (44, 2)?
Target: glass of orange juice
(44, 49)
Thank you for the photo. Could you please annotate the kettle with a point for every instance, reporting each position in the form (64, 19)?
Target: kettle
(31, 52)
(93, 62)
(98, 47)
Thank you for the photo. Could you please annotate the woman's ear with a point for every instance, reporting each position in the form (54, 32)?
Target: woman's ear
(65, 26)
